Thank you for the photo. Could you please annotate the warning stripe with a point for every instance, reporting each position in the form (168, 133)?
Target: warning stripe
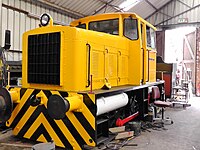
(86, 130)
(66, 131)
(22, 91)
(63, 94)
(23, 120)
(92, 97)
(34, 127)
(29, 122)
(70, 126)
(88, 115)
(21, 108)
(90, 105)
(41, 134)
(58, 131)
(85, 125)
(55, 92)
(47, 93)
(79, 127)
(47, 120)
(80, 139)
(41, 137)
(75, 130)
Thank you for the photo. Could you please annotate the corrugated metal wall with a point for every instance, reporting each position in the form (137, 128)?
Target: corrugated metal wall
(20, 16)
(170, 13)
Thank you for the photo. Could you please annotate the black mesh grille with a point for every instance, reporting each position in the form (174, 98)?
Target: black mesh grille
(44, 58)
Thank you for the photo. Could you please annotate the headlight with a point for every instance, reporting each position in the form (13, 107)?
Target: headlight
(44, 19)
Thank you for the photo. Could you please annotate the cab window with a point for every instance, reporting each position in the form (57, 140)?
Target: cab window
(151, 37)
(130, 28)
(106, 26)
(82, 26)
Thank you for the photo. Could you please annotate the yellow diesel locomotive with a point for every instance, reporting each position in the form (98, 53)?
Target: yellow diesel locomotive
(82, 79)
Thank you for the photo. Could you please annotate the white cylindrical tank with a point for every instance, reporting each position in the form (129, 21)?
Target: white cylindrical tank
(106, 104)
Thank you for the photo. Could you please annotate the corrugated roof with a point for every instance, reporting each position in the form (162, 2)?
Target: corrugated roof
(89, 7)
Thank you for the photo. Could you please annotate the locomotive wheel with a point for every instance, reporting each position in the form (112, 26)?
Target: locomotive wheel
(6, 105)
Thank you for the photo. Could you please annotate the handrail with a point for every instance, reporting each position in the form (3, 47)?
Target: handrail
(143, 66)
(88, 78)
(148, 66)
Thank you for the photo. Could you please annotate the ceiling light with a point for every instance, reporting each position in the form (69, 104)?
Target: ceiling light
(128, 4)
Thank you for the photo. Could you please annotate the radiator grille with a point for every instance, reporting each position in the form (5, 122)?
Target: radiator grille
(44, 58)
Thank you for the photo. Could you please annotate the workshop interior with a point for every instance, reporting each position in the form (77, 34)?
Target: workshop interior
(99, 74)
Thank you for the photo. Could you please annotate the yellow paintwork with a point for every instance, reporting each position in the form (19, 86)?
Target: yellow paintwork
(14, 95)
(75, 103)
(130, 59)
(115, 58)
(133, 62)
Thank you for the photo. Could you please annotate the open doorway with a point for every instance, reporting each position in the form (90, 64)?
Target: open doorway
(174, 43)
(180, 49)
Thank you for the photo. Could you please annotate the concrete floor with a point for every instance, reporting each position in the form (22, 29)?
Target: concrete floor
(184, 134)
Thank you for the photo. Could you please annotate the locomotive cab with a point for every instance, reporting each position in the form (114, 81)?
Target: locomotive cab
(140, 43)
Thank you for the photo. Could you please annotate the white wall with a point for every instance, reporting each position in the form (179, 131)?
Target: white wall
(20, 16)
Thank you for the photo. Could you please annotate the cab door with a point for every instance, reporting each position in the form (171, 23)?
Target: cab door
(151, 54)
(144, 51)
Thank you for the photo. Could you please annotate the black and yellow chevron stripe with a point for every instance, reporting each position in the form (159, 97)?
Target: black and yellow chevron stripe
(33, 122)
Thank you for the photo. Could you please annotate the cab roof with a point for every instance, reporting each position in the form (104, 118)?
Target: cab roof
(109, 16)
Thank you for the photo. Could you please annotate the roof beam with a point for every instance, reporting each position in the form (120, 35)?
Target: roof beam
(172, 26)
(164, 14)
(158, 9)
(178, 14)
(101, 8)
(183, 3)
(147, 1)
(58, 8)
(108, 4)
(151, 5)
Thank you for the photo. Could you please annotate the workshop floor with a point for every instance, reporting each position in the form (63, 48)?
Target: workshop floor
(184, 134)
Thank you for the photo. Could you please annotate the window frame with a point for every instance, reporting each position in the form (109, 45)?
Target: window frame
(101, 21)
(81, 24)
(136, 26)
(150, 28)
